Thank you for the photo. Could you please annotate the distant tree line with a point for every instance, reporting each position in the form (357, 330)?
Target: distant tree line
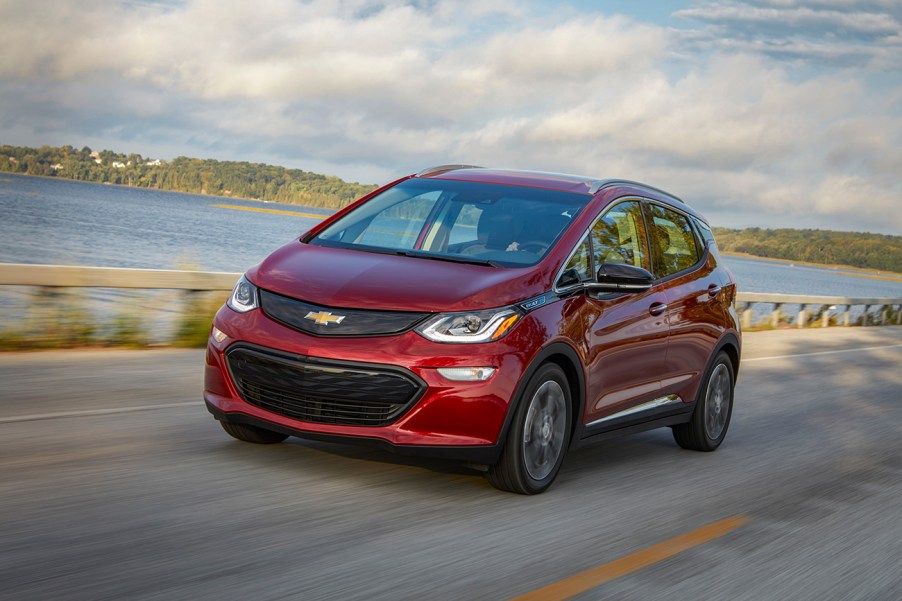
(268, 182)
(197, 176)
(871, 251)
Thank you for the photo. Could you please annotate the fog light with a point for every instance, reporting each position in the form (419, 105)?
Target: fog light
(467, 374)
(218, 335)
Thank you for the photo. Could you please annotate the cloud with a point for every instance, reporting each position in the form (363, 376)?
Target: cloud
(820, 32)
(370, 90)
(871, 201)
(734, 113)
(794, 18)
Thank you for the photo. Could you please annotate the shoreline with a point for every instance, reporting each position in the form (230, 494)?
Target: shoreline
(879, 274)
(862, 272)
(81, 181)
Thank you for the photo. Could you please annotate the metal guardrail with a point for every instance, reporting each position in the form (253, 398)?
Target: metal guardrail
(66, 276)
(819, 307)
(889, 310)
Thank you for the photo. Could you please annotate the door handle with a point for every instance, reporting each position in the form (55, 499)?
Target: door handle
(713, 289)
(657, 308)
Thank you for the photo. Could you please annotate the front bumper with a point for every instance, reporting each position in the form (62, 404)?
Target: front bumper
(480, 454)
(457, 420)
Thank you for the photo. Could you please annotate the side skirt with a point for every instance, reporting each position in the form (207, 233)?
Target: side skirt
(605, 431)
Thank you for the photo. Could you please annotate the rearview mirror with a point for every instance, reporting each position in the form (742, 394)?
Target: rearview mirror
(620, 277)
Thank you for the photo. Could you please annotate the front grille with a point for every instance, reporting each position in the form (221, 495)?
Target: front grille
(323, 391)
(301, 315)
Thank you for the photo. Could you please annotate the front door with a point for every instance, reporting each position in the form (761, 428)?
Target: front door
(626, 334)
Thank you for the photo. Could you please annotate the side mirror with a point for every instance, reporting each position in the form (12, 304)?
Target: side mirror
(619, 277)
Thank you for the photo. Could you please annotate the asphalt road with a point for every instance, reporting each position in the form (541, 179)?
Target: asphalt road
(101, 501)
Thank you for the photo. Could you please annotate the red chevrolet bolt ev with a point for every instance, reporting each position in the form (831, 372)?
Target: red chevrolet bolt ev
(494, 317)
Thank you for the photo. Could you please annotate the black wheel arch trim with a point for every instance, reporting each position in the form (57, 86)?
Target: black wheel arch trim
(728, 339)
(542, 357)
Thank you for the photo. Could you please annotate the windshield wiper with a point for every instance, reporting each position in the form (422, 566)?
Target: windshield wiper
(423, 255)
(451, 258)
(374, 249)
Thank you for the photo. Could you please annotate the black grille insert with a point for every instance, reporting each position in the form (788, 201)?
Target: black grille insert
(323, 391)
(301, 315)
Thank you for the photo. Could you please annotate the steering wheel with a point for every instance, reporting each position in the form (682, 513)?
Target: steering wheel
(539, 246)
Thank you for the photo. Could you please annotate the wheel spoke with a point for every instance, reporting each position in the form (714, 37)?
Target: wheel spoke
(543, 430)
(717, 401)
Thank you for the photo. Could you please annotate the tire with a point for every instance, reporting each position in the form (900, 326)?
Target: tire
(713, 409)
(538, 437)
(252, 433)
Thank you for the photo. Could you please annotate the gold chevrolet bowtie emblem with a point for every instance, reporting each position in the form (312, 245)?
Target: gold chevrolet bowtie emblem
(324, 318)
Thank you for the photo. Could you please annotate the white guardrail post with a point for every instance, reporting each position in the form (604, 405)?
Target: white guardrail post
(65, 276)
(889, 310)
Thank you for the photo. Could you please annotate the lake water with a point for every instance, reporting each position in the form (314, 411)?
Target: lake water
(57, 221)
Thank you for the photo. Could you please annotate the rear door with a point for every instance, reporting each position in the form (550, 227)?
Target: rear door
(688, 278)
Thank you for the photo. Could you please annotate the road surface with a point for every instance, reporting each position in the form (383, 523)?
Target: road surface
(115, 483)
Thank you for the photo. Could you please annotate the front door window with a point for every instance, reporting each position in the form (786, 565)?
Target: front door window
(619, 236)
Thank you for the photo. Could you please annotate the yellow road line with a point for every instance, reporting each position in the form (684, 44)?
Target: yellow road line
(579, 583)
(276, 211)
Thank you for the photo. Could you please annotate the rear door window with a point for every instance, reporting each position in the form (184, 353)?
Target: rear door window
(674, 245)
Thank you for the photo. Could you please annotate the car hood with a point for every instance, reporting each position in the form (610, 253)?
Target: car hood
(338, 277)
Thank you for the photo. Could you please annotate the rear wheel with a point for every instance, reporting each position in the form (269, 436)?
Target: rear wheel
(252, 433)
(538, 436)
(713, 409)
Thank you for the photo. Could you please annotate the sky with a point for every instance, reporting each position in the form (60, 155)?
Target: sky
(771, 113)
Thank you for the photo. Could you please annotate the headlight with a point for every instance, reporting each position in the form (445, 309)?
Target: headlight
(471, 326)
(244, 296)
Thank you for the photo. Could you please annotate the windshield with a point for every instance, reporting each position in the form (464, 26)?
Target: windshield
(470, 222)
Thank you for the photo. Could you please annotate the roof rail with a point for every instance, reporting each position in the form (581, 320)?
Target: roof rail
(442, 168)
(598, 185)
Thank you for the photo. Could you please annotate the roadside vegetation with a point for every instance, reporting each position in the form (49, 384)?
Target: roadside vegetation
(876, 316)
(67, 318)
(197, 176)
(855, 249)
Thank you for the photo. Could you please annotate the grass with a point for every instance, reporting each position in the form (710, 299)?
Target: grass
(195, 320)
(55, 319)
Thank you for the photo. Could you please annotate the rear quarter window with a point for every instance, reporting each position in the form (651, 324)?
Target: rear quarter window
(705, 231)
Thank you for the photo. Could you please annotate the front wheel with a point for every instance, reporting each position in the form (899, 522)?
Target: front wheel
(713, 409)
(538, 436)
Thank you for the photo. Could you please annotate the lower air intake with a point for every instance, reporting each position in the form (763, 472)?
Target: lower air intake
(323, 391)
